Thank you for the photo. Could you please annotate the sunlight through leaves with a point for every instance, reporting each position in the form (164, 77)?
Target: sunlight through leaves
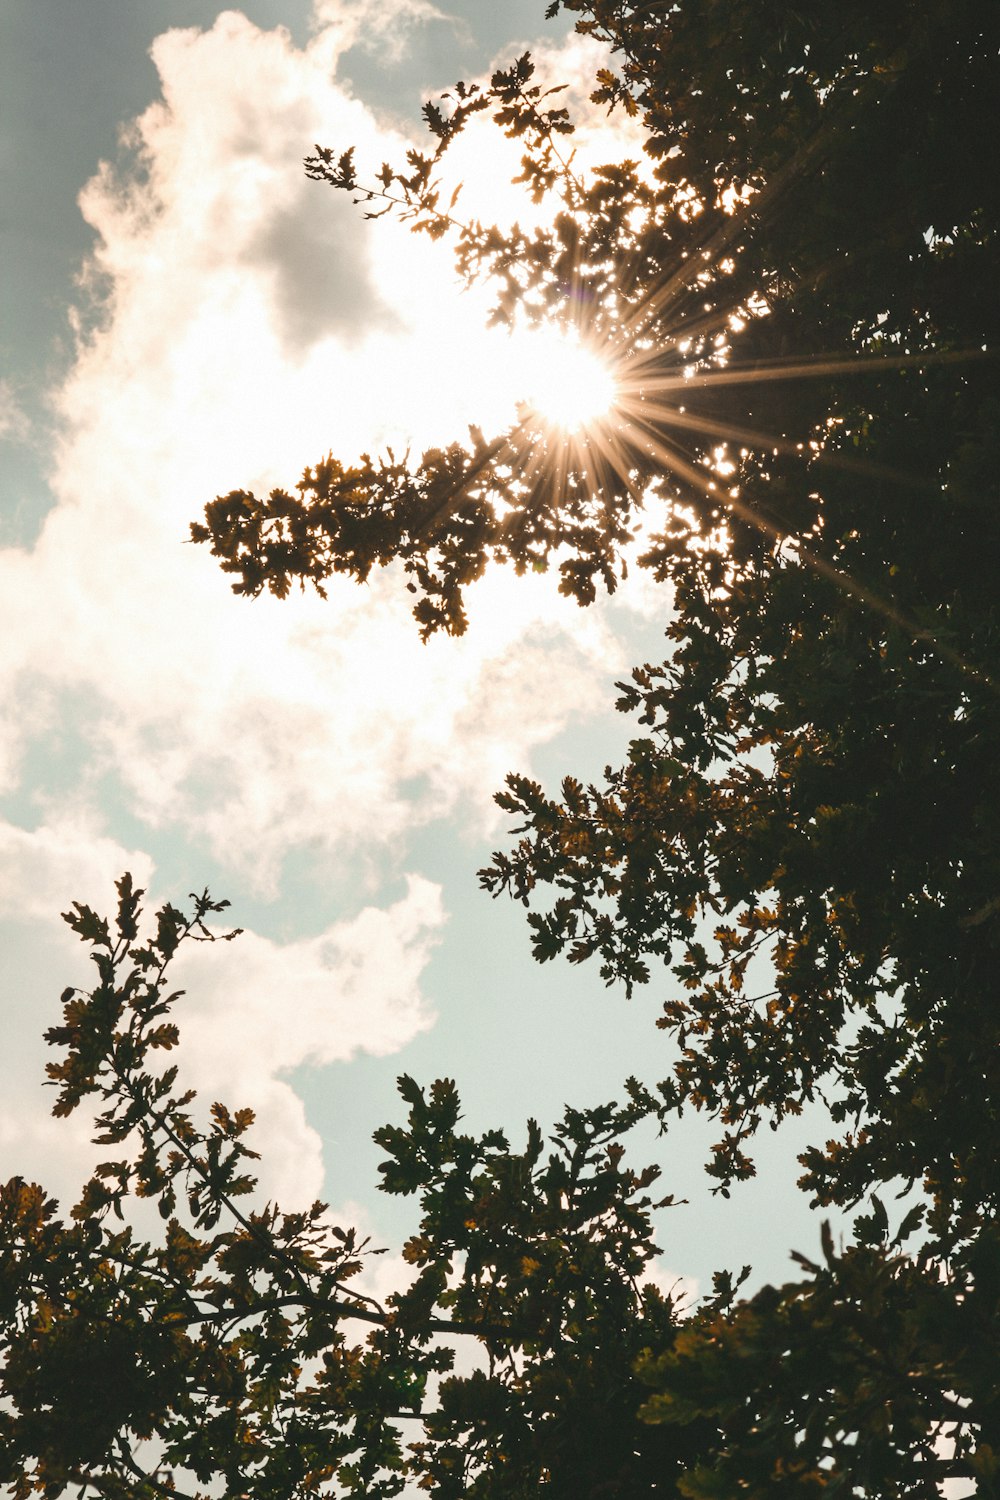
(571, 386)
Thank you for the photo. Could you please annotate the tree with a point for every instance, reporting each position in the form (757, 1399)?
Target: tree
(796, 291)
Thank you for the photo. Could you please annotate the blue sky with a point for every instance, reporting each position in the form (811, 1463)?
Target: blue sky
(183, 314)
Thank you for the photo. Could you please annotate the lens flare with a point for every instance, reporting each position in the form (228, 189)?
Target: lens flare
(569, 385)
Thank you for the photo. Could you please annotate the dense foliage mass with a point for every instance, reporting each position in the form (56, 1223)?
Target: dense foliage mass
(797, 292)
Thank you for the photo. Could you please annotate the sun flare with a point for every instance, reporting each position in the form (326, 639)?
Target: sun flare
(570, 386)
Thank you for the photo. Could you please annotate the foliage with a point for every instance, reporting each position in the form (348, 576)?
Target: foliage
(796, 291)
(221, 1339)
(845, 1383)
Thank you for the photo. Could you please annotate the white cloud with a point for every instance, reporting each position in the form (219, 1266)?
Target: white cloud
(44, 870)
(251, 321)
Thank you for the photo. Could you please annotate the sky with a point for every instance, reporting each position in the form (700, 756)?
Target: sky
(183, 313)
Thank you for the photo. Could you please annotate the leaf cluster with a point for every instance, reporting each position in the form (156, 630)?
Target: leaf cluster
(220, 1344)
(443, 524)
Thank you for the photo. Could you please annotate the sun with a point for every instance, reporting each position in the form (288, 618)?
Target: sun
(569, 386)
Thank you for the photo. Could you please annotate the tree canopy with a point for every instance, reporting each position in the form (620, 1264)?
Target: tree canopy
(796, 292)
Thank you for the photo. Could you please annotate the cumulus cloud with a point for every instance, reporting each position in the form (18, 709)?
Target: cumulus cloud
(44, 870)
(250, 320)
